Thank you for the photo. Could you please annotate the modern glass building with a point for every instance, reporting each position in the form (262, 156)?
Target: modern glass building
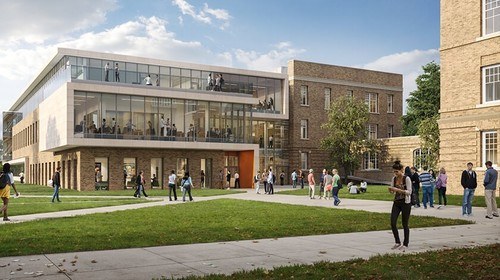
(104, 117)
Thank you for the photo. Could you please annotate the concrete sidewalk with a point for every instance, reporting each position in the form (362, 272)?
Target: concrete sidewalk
(228, 257)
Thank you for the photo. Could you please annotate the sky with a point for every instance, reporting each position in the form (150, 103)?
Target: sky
(385, 35)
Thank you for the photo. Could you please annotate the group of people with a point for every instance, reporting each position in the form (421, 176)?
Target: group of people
(265, 104)
(147, 80)
(405, 186)
(215, 84)
(186, 185)
(267, 178)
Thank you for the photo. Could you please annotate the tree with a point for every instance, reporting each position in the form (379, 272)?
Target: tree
(423, 102)
(347, 138)
(428, 131)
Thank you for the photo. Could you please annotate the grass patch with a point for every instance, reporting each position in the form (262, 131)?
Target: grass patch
(188, 223)
(465, 263)
(379, 192)
(29, 189)
(34, 205)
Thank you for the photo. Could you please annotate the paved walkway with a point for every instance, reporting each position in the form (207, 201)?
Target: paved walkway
(228, 257)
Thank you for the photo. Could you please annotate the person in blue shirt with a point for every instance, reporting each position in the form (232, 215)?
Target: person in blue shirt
(490, 186)
(427, 188)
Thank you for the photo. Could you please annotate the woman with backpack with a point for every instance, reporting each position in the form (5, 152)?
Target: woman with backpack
(7, 180)
(140, 185)
(187, 184)
(401, 187)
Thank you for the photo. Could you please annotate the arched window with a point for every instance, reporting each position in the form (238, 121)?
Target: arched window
(420, 157)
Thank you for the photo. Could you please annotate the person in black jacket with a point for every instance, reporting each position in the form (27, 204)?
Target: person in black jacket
(415, 183)
(469, 183)
(140, 185)
(56, 183)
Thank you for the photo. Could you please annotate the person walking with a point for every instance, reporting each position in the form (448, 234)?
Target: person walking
(490, 186)
(312, 183)
(228, 179)
(441, 182)
(187, 184)
(401, 187)
(322, 182)
(237, 180)
(5, 192)
(415, 183)
(328, 181)
(427, 189)
(172, 186)
(256, 181)
(294, 179)
(469, 183)
(336, 187)
(270, 181)
(140, 181)
(56, 183)
(264, 181)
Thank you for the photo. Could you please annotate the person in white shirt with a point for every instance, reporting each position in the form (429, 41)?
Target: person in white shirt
(106, 70)
(163, 126)
(147, 80)
(363, 187)
(172, 185)
(353, 189)
(270, 181)
(256, 180)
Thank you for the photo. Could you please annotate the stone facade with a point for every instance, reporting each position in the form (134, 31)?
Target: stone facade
(340, 80)
(464, 112)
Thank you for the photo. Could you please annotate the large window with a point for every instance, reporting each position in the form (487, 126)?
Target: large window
(490, 146)
(371, 100)
(372, 131)
(303, 160)
(491, 16)
(390, 103)
(303, 129)
(370, 161)
(303, 95)
(491, 83)
(420, 158)
(328, 98)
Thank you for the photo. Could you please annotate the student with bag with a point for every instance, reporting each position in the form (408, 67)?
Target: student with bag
(6, 181)
(187, 184)
(401, 187)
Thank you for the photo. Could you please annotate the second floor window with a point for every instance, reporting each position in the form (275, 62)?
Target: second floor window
(372, 131)
(491, 16)
(491, 83)
(303, 129)
(328, 98)
(390, 131)
(390, 103)
(303, 95)
(371, 100)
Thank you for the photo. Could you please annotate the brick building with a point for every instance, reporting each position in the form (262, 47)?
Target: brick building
(470, 86)
(313, 86)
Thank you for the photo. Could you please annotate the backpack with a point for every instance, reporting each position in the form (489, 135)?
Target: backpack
(256, 178)
(4, 180)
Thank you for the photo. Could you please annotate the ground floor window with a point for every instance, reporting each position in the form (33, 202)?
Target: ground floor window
(156, 173)
(490, 146)
(370, 161)
(420, 158)
(101, 173)
(182, 166)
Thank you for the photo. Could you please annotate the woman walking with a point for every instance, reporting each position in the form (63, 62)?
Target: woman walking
(401, 187)
(140, 185)
(441, 182)
(335, 189)
(172, 186)
(187, 184)
(5, 192)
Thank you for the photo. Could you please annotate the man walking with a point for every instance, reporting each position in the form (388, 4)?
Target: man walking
(312, 183)
(56, 181)
(469, 183)
(415, 183)
(294, 179)
(490, 186)
(428, 191)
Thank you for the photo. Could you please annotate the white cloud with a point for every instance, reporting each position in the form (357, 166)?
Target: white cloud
(48, 19)
(407, 63)
(204, 15)
(269, 61)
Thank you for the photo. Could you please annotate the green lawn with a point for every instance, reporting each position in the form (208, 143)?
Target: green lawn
(33, 205)
(379, 192)
(466, 263)
(188, 223)
(28, 189)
